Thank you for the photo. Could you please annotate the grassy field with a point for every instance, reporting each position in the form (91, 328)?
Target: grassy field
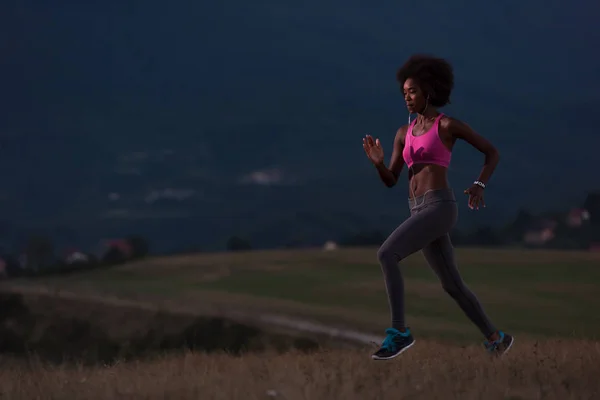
(549, 300)
(537, 293)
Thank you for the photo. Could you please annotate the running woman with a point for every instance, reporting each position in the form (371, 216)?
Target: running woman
(425, 146)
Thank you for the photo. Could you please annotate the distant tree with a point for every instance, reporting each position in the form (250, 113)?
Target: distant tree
(592, 204)
(13, 268)
(139, 246)
(485, 236)
(39, 251)
(114, 255)
(236, 243)
(515, 231)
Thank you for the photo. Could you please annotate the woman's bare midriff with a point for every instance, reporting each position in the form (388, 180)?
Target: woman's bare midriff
(424, 177)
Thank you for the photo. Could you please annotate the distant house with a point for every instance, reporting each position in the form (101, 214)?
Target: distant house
(74, 256)
(3, 269)
(117, 251)
(330, 245)
(539, 237)
(541, 232)
(577, 216)
(122, 245)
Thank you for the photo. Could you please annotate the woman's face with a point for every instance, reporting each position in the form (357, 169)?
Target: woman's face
(413, 96)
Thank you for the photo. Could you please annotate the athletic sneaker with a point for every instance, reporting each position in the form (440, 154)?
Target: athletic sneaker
(500, 346)
(394, 344)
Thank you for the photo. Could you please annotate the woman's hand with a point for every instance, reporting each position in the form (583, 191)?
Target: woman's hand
(475, 193)
(373, 149)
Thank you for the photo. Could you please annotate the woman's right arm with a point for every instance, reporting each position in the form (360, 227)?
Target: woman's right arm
(389, 175)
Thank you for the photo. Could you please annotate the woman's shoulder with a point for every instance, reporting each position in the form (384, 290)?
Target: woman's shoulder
(402, 130)
(454, 127)
(401, 133)
(449, 124)
(447, 120)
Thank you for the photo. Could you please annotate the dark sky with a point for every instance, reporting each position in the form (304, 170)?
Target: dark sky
(131, 98)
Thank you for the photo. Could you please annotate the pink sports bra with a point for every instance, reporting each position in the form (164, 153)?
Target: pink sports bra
(427, 148)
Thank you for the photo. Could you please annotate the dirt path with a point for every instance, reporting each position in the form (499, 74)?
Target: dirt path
(268, 321)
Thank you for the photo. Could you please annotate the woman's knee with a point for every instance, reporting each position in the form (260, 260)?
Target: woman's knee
(399, 245)
(385, 255)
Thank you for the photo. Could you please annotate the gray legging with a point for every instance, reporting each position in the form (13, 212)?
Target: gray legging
(432, 217)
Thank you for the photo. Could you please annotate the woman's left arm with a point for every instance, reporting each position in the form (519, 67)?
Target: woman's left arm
(460, 130)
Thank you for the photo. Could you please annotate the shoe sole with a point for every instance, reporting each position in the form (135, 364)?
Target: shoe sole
(377, 358)
(512, 340)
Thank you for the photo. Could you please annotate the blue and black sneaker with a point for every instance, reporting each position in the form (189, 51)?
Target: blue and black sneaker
(501, 346)
(394, 344)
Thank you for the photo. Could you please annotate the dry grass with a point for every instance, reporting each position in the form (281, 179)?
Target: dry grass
(532, 370)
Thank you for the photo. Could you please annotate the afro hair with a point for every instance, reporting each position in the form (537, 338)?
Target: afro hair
(434, 75)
